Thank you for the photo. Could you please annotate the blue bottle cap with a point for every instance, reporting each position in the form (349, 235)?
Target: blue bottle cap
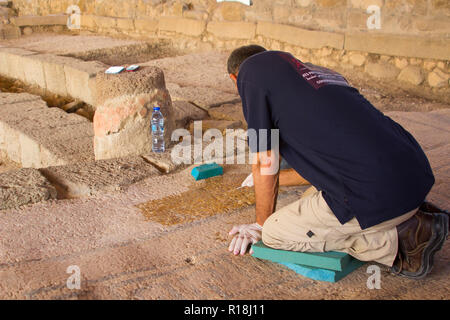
(156, 108)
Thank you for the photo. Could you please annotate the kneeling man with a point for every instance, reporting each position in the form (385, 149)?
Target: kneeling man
(369, 175)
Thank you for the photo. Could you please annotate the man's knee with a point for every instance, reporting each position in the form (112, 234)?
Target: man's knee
(274, 235)
(268, 231)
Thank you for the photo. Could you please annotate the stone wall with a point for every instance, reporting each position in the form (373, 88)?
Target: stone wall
(411, 45)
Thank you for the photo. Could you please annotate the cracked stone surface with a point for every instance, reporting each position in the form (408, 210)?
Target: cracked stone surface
(123, 255)
(184, 112)
(87, 179)
(22, 187)
(203, 97)
(230, 112)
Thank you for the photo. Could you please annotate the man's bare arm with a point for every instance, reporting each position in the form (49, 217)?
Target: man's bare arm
(290, 177)
(266, 190)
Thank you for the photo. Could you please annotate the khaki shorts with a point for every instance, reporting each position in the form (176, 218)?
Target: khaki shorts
(309, 225)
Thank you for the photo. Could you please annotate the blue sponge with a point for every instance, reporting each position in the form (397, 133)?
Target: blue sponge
(207, 171)
(336, 261)
(324, 274)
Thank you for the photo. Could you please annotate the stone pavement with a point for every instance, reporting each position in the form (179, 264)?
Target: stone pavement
(122, 255)
(37, 136)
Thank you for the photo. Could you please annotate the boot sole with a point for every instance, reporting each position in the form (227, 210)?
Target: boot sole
(440, 231)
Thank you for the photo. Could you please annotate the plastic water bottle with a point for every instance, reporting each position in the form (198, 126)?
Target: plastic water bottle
(158, 130)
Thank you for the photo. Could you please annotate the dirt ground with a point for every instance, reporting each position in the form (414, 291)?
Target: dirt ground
(393, 96)
(124, 248)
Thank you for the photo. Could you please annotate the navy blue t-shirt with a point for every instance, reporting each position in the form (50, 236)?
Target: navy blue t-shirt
(366, 165)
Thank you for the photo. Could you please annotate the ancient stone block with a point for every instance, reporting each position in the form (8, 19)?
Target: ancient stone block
(146, 25)
(8, 32)
(162, 161)
(27, 31)
(33, 71)
(86, 179)
(281, 13)
(105, 22)
(196, 14)
(125, 24)
(357, 59)
(188, 27)
(176, 9)
(55, 78)
(303, 3)
(183, 112)
(401, 63)
(11, 98)
(203, 97)
(330, 19)
(39, 136)
(364, 4)
(220, 125)
(429, 65)
(22, 187)
(412, 75)
(124, 107)
(357, 20)
(331, 3)
(405, 7)
(188, 72)
(232, 30)
(393, 45)
(11, 62)
(57, 19)
(434, 24)
(80, 81)
(381, 70)
(232, 11)
(88, 21)
(230, 112)
(437, 78)
(300, 37)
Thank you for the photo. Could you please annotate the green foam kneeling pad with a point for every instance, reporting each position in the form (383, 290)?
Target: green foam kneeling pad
(207, 171)
(324, 274)
(336, 261)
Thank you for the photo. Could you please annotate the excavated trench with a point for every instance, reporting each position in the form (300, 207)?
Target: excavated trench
(129, 54)
(68, 104)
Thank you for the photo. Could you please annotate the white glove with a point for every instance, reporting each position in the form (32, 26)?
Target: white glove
(244, 235)
(248, 182)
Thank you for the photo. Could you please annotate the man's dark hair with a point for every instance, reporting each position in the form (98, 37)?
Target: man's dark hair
(239, 55)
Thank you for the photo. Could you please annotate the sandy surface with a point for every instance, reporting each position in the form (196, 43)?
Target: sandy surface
(123, 254)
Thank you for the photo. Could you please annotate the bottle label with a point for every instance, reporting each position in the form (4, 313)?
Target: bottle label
(155, 128)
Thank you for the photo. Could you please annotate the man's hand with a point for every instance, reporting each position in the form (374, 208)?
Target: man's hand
(243, 236)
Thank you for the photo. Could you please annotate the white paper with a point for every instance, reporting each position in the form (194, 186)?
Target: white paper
(246, 2)
(114, 70)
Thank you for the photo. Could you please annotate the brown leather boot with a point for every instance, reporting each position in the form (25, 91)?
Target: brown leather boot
(419, 238)
(431, 208)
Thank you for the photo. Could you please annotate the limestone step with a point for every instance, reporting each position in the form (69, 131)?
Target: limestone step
(50, 20)
(23, 187)
(87, 179)
(37, 136)
(203, 97)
